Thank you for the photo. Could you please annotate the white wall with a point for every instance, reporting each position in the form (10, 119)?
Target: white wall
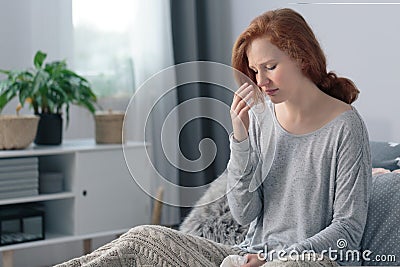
(361, 42)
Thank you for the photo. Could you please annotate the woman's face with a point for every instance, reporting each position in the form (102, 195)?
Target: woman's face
(276, 73)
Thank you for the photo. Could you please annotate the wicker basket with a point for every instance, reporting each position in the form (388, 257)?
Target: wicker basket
(109, 127)
(17, 131)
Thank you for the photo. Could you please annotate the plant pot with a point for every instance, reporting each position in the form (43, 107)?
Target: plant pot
(109, 127)
(17, 131)
(49, 130)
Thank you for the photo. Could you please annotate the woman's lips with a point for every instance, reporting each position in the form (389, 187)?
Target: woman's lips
(271, 91)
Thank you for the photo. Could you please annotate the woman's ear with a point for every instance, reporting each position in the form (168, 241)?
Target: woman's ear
(302, 65)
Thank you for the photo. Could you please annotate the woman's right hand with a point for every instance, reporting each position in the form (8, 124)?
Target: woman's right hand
(253, 260)
(240, 111)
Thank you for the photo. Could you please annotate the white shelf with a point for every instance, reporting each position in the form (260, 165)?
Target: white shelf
(38, 198)
(67, 146)
(52, 238)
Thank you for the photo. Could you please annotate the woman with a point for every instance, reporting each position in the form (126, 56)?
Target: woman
(315, 195)
(316, 190)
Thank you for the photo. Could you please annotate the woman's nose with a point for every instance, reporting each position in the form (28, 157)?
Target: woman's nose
(262, 80)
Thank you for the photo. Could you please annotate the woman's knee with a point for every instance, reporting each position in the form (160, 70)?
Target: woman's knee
(147, 229)
(149, 232)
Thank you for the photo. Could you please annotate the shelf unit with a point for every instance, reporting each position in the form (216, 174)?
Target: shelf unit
(100, 198)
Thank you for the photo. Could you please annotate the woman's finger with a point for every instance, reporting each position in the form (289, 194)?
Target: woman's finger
(243, 86)
(238, 97)
(245, 109)
(245, 102)
(242, 93)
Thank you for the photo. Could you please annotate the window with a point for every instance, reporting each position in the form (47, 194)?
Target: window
(102, 45)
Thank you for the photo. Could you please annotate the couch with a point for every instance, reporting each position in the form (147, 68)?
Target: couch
(212, 219)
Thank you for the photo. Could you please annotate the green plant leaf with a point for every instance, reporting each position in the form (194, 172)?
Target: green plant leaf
(67, 119)
(6, 72)
(7, 93)
(4, 99)
(88, 105)
(51, 87)
(39, 59)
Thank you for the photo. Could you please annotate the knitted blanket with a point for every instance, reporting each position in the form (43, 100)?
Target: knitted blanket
(152, 245)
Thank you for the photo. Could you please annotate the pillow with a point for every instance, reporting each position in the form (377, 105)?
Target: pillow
(385, 155)
(382, 231)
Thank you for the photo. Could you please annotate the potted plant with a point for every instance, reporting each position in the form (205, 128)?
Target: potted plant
(49, 88)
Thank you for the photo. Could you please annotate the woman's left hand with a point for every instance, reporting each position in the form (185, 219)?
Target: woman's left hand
(253, 261)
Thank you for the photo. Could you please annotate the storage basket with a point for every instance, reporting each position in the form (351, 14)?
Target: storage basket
(109, 127)
(17, 131)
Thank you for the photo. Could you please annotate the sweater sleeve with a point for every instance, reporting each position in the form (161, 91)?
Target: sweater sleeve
(244, 165)
(246, 169)
(353, 180)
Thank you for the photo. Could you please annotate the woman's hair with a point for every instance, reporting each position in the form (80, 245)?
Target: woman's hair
(287, 30)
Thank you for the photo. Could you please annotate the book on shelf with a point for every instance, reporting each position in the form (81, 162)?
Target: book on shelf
(20, 187)
(20, 193)
(6, 162)
(18, 168)
(16, 182)
(19, 175)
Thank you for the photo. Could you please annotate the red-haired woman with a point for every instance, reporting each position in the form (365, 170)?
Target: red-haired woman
(314, 196)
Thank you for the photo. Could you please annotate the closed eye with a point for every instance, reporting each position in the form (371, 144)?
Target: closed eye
(254, 71)
(266, 68)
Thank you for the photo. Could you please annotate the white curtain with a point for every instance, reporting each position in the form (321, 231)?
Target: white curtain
(152, 52)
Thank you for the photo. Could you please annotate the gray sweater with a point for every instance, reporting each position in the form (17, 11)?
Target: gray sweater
(301, 192)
